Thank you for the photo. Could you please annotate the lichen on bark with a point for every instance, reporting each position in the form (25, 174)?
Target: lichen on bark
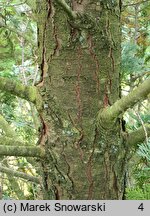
(80, 75)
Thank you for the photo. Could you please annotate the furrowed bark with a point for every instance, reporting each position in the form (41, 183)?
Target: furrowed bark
(29, 93)
(110, 114)
(14, 173)
(80, 70)
(22, 151)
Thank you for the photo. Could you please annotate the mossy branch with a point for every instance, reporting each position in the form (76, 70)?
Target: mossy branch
(4, 140)
(10, 135)
(15, 186)
(6, 127)
(22, 175)
(29, 93)
(72, 14)
(136, 137)
(110, 114)
(22, 151)
(136, 3)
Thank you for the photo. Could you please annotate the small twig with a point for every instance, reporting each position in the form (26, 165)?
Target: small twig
(72, 14)
(141, 75)
(12, 5)
(22, 68)
(22, 175)
(109, 114)
(144, 128)
(137, 3)
(35, 75)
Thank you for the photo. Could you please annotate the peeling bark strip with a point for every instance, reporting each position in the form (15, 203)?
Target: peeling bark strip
(93, 55)
(43, 63)
(89, 169)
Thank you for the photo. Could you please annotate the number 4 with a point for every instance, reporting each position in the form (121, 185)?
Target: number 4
(141, 207)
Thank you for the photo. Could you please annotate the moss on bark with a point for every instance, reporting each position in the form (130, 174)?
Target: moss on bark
(80, 74)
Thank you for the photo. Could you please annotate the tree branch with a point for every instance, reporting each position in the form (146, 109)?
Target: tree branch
(110, 114)
(72, 14)
(140, 75)
(136, 3)
(22, 151)
(29, 93)
(7, 128)
(11, 172)
(14, 185)
(78, 19)
(4, 140)
(136, 137)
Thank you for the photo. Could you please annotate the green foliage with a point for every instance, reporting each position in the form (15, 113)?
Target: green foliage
(136, 39)
(133, 120)
(138, 193)
(135, 68)
(131, 63)
(141, 174)
(33, 192)
(144, 151)
(141, 189)
(18, 34)
(7, 194)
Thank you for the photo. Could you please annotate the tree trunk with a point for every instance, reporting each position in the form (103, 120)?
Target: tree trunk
(80, 65)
